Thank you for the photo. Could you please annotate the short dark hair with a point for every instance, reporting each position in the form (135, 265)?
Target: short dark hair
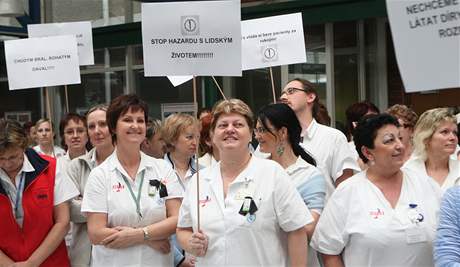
(367, 128)
(309, 88)
(119, 106)
(356, 111)
(65, 120)
(281, 115)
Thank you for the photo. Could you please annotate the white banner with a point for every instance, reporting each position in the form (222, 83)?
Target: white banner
(272, 41)
(192, 38)
(426, 36)
(82, 31)
(178, 80)
(40, 62)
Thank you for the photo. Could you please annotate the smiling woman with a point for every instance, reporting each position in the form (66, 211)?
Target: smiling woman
(131, 200)
(261, 205)
(388, 211)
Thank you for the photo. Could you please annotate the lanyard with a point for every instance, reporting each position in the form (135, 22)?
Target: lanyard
(19, 194)
(137, 200)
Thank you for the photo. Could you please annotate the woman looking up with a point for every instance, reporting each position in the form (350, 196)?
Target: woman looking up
(249, 208)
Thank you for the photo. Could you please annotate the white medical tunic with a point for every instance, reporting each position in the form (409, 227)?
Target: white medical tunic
(417, 165)
(331, 151)
(245, 240)
(360, 222)
(107, 192)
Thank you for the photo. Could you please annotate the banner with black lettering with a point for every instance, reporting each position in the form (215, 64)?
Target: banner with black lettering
(81, 29)
(426, 36)
(272, 41)
(42, 61)
(192, 38)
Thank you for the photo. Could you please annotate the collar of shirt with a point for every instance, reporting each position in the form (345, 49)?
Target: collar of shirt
(311, 130)
(114, 163)
(26, 167)
(298, 165)
(245, 176)
(191, 165)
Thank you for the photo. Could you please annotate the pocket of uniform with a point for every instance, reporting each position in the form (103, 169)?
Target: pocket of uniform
(42, 197)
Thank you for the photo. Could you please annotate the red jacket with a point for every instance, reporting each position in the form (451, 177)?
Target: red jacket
(37, 202)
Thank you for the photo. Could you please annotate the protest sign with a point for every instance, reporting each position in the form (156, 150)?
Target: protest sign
(82, 31)
(43, 61)
(192, 38)
(272, 41)
(426, 36)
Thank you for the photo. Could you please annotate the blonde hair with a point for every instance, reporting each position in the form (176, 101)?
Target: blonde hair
(232, 106)
(40, 121)
(12, 135)
(174, 125)
(427, 124)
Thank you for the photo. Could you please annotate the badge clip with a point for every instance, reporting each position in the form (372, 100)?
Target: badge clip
(249, 206)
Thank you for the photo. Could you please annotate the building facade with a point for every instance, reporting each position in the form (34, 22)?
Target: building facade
(350, 57)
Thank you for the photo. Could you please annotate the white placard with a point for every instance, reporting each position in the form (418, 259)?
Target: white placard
(192, 38)
(82, 30)
(272, 41)
(426, 36)
(178, 80)
(43, 61)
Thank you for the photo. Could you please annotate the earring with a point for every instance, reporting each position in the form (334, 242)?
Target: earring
(280, 149)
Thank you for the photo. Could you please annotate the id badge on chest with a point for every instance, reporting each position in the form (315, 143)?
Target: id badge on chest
(415, 234)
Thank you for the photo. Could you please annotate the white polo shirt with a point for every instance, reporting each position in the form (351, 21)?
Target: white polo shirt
(417, 165)
(190, 171)
(360, 222)
(58, 152)
(250, 240)
(107, 192)
(64, 188)
(331, 151)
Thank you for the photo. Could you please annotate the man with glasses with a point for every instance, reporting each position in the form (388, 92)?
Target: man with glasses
(327, 145)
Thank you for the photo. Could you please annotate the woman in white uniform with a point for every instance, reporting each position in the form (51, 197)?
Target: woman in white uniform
(435, 140)
(45, 139)
(78, 171)
(382, 216)
(131, 200)
(278, 133)
(181, 134)
(250, 212)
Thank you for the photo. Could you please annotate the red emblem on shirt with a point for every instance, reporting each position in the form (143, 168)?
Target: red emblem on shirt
(203, 202)
(377, 213)
(118, 187)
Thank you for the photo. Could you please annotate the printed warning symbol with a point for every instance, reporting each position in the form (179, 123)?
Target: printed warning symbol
(190, 25)
(269, 53)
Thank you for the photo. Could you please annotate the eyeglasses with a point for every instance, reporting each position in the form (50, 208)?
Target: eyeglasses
(291, 90)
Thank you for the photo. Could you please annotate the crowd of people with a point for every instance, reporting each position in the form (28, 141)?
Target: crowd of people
(124, 189)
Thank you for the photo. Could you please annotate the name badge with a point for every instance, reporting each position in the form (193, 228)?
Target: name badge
(415, 234)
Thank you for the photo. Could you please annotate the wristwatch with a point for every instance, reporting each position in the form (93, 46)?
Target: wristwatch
(146, 233)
